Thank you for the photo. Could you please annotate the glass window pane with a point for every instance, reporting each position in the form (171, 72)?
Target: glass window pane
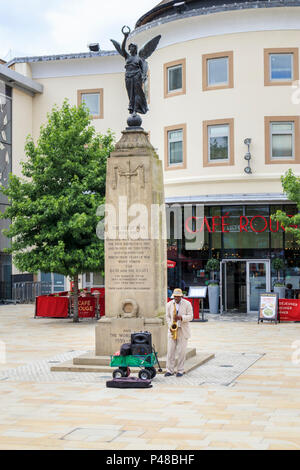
(281, 66)
(282, 127)
(98, 279)
(175, 78)
(175, 146)
(175, 152)
(217, 71)
(218, 142)
(92, 101)
(282, 146)
(175, 136)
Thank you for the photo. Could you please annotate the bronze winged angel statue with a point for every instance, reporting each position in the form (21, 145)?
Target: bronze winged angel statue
(136, 71)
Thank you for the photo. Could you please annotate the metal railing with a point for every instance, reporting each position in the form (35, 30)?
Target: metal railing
(26, 292)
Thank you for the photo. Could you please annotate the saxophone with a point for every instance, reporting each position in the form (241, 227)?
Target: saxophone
(174, 326)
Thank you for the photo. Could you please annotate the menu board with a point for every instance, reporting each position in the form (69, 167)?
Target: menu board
(268, 307)
(198, 292)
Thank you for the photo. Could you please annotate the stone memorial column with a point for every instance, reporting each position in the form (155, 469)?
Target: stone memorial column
(135, 246)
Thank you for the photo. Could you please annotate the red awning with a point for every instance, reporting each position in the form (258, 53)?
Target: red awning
(171, 264)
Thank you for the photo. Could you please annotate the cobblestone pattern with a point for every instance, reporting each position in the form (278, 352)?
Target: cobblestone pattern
(222, 370)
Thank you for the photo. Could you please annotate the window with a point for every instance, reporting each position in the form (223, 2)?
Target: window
(282, 136)
(217, 71)
(281, 66)
(175, 78)
(93, 100)
(218, 142)
(175, 147)
(282, 139)
(175, 143)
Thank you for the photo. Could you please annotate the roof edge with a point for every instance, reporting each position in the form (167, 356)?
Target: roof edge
(18, 80)
(46, 58)
(238, 6)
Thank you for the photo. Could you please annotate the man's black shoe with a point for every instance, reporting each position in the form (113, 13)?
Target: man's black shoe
(179, 374)
(168, 374)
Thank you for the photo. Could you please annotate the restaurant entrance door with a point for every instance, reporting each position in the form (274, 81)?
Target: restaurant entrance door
(242, 282)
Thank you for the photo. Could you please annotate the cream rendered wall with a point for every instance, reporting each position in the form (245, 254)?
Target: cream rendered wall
(21, 128)
(58, 88)
(248, 102)
(23, 68)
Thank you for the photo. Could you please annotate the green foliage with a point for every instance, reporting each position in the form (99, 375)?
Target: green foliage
(291, 187)
(212, 265)
(53, 209)
(278, 264)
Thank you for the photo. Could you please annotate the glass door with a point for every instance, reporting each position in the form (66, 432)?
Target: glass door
(258, 282)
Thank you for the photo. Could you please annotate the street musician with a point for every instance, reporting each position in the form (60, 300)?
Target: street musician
(178, 315)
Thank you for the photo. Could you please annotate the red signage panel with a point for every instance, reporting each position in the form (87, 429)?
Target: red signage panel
(52, 307)
(87, 307)
(289, 310)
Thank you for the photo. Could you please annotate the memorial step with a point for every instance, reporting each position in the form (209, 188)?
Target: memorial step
(92, 360)
(191, 363)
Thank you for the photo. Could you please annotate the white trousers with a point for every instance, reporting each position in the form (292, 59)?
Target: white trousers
(176, 348)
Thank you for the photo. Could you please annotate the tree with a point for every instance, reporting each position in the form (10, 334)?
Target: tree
(212, 266)
(291, 187)
(53, 209)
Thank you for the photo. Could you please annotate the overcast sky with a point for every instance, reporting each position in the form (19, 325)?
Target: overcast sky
(41, 27)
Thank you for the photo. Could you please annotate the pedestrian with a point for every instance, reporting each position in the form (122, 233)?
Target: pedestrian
(179, 312)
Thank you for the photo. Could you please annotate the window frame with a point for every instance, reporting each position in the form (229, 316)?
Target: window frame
(282, 133)
(217, 55)
(210, 160)
(218, 122)
(101, 100)
(169, 65)
(267, 69)
(175, 166)
(269, 160)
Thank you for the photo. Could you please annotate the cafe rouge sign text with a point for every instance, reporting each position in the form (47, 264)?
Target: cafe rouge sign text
(225, 224)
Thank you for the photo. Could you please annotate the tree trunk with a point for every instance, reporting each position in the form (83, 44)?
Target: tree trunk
(75, 313)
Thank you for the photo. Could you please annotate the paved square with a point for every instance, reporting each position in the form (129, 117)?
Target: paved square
(246, 398)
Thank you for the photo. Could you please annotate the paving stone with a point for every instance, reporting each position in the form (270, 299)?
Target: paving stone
(254, 404)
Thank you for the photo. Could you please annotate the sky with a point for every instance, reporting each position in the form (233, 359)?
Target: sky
(42, 27)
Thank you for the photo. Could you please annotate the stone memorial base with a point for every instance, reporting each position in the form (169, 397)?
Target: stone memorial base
(111, 333)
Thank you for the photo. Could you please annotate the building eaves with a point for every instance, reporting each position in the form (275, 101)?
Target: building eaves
(216, 199)
(217, 9)
(47, 58)
(19, 81)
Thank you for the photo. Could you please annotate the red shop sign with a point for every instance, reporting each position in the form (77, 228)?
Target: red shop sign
(289, 310)
(87, 307)
(246, 224)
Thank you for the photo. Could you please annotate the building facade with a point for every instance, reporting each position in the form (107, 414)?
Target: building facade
(224, 99)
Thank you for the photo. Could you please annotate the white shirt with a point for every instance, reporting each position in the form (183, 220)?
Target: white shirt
(177, 310)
